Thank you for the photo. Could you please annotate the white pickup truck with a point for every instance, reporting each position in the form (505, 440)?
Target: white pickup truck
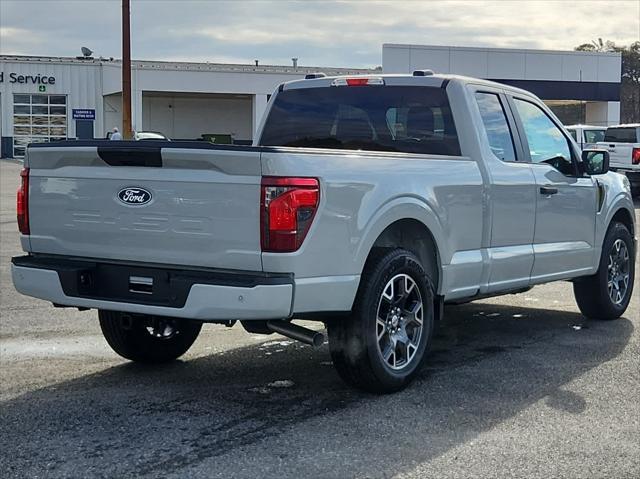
(366, 202)
(623, 144)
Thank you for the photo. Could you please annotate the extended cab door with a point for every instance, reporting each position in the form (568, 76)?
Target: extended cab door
(511, 194)
(566, 202)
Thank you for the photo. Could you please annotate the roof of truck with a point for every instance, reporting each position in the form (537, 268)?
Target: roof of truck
(427, 76)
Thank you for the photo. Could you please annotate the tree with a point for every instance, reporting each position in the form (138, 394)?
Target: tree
(630, 85)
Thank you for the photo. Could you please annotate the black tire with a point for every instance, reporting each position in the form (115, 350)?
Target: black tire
(354, 341)
(592, 293)
(130, 336)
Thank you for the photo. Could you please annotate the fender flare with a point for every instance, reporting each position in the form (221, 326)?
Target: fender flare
(403, 208)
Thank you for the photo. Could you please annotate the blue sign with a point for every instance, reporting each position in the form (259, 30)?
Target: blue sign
(83, 114)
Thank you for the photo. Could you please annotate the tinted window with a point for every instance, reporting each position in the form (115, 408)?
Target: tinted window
(593, 136)
(621, 135)
(496, 126)
(547, 144)
(382, 118)
(573, 134)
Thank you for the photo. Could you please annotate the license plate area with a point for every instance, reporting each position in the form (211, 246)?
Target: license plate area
(126, 284)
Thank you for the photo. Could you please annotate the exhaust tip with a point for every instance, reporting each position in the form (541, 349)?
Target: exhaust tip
(299, 333)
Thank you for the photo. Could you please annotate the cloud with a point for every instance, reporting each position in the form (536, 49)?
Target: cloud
(319, 33)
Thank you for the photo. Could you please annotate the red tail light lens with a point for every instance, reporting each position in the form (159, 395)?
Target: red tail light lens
(22, 202)
(635, 156)
(288, 206)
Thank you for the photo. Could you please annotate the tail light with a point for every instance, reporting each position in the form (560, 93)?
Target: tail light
(22, 202)
(287, 206)
(635, 156)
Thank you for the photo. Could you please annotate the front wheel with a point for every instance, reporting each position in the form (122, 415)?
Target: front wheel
(606, 294)
(148, 339)
(380, 347)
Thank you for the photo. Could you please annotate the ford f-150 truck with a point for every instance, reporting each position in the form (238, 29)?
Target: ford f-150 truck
(623, 144)
(365, 202)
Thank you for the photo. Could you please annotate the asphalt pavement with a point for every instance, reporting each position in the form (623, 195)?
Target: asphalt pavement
(516, 386)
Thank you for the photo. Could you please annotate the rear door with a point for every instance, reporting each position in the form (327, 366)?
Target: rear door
(564, 235)
(152, 204)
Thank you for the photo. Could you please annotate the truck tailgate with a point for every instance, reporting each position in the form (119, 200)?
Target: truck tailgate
(152, 204)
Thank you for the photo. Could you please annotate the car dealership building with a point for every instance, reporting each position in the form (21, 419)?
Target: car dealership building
(52, 98)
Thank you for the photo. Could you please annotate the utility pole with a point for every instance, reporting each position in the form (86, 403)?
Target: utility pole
(126, 72)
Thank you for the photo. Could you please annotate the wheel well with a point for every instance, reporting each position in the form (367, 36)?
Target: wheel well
(414, 236)
(623, 216)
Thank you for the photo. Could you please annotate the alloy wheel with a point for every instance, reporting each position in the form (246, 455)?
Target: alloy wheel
(399, 321)
(618, 272)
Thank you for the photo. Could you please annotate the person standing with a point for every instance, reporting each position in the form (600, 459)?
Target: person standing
(116, 134)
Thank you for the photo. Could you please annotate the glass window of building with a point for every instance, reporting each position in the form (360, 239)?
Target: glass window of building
(36, 119)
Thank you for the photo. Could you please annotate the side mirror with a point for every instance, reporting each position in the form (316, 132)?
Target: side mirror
(595, 162)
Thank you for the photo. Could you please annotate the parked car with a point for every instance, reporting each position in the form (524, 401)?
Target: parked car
(148, 135)
(586, 136)
(623, 144)
(366, 202)
(144, 135)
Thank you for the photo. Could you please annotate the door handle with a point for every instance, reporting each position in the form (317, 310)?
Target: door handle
(548, 190)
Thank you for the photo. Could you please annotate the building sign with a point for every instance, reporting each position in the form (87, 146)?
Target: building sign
(14, 77)
(83, 114)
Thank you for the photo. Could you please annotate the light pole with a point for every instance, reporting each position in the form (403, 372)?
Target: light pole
(126, 72)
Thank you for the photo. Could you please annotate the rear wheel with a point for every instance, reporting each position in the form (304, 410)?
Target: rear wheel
(606, 294)
(380, 347)
(146, 338)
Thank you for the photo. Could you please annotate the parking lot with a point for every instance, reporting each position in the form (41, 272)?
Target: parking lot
(516, 386)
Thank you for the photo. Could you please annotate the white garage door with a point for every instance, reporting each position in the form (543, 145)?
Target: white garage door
(188, 116)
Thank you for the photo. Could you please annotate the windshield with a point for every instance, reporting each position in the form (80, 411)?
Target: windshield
(379, 118)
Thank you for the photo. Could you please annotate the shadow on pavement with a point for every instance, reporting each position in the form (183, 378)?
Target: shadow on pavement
(488, 363)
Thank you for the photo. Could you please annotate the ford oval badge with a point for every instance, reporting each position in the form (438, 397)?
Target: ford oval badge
(134, 196)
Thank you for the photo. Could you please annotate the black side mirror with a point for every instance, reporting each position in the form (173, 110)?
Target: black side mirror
(595, 162)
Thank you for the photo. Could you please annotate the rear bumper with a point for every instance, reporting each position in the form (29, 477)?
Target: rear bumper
(202, 295)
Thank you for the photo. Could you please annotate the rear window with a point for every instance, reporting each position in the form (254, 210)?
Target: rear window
(379, 118)
(621, 135)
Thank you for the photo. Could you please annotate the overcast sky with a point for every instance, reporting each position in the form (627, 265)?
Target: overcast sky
(345, 34)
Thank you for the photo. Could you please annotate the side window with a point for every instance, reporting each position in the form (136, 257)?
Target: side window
(573, 134)
(547, 144)
(593, 136)
(496, 126)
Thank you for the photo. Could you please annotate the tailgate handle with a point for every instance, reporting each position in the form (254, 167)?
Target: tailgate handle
(140, 284)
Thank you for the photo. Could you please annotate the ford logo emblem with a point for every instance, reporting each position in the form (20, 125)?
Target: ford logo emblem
(134, 195)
